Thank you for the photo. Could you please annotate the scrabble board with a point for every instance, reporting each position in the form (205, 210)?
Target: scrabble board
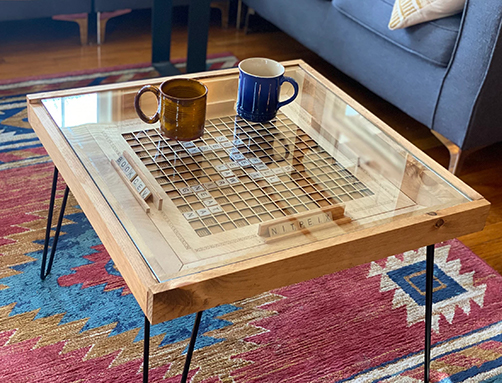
(242, 174)
(242, 190)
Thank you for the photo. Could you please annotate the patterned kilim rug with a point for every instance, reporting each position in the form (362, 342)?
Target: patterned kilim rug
(82, 324)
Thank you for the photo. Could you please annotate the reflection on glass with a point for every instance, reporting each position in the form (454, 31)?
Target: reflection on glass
(320, 169)
(73, 110)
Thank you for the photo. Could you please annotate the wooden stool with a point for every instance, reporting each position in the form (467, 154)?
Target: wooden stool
(224, 7)
(101, 20)
(238, 20)
(81, 20)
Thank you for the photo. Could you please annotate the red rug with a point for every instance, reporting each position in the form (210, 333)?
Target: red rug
(82, 324)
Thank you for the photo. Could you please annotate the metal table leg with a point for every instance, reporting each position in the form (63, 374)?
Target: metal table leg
(429, 283)
(191, 346)
(43, 271)
(162, 11)
(199, 13)
(146, 349)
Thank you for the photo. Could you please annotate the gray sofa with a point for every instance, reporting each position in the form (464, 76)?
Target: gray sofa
(11, 10)
(34, 9)
(447, 73)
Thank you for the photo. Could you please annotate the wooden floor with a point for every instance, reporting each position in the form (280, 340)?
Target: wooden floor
(47, 47)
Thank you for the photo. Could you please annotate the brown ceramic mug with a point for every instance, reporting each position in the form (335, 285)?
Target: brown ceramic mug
(181, 108)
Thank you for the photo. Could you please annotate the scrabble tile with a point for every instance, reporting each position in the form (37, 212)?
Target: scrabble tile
(185, 190)
(244, 163)
(227, 173)
(233, 180)
(203, 195)
(221, 138)
(237, 156)
(190, 215)
(124, 166)
(210, 202)
(255, 175)
(198, 188)
(131, 174)
(215, 209)
(193, 150)
(138, 184)
(232, 165)
(203, 212)
(121, 161)
(221, 183)
(215, 146)
(220, 168)
(128, 170)
(210, 185)
(145, 193)
(273, 179)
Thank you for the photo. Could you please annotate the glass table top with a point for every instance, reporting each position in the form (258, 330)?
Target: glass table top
(318, 170)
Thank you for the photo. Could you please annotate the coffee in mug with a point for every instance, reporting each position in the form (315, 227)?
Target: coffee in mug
(181, 108)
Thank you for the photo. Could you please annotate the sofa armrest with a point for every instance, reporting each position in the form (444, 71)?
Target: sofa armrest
(469, 110)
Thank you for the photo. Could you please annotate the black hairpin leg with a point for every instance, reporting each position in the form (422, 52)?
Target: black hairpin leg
(191, 346)
(429, 284)
(146, 349)
(43, 271)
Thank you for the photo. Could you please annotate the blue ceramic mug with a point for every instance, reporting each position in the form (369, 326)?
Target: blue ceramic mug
(260, 81)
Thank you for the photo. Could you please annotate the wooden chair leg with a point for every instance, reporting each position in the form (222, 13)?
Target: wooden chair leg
(456, 161)
(250, 12)
(100, 28)
(457, 155)
(81, 20)
(239, 15)
(224, 7)
(83, 27)
(102, 19)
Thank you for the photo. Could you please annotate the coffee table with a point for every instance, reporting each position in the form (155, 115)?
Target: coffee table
(249, 207)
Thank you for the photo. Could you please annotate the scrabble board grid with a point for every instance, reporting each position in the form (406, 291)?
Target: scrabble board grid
(241, 173)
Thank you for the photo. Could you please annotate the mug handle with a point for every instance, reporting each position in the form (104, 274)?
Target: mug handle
(295, 85)
(143, 116)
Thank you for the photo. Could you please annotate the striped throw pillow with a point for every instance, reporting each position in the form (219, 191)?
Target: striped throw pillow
(411, 12)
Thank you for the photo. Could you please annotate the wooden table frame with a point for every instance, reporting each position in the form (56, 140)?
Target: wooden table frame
(226, 284)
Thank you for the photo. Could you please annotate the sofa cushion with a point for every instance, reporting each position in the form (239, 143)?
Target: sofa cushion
(411, 12)
(433, 41)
